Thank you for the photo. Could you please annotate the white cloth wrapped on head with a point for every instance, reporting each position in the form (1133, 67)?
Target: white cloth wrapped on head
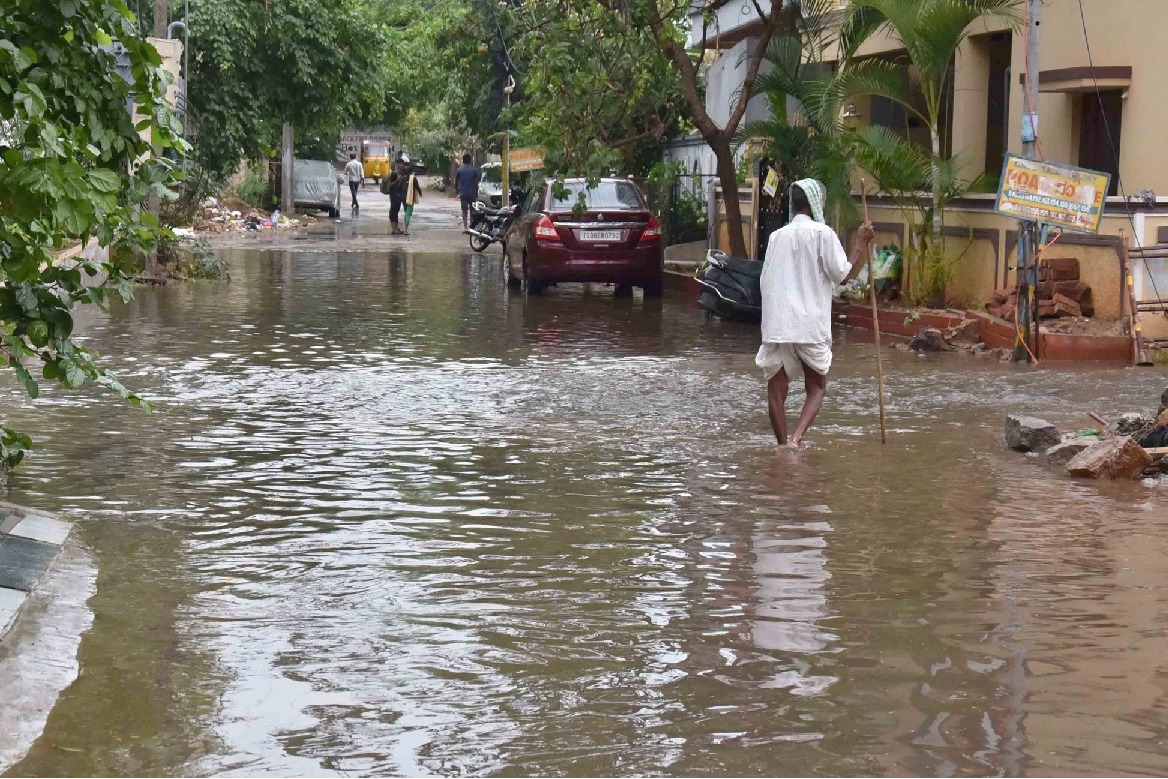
(774, 357)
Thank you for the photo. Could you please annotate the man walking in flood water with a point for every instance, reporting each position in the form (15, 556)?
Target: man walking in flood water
(804, 262)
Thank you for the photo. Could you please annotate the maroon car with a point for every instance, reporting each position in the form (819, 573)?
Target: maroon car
(613, 239)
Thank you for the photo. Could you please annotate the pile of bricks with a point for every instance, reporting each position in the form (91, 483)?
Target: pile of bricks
(1060, 293)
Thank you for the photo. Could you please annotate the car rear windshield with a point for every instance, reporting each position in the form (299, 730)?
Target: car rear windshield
(610, 195)
(493, 174)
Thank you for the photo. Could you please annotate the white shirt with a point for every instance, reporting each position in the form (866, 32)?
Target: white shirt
(355, 170)
(804, 262)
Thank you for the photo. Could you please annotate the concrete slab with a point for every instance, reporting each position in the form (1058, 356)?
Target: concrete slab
(23, 561)
(10, 603)
(46, 529)
(8, 521)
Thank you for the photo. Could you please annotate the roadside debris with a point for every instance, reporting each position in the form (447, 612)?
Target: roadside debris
(220, 217)
(1060, 293)
(1063, 453)
(1132, 446)
(930, 339)
(1031, 434)
(1118, 457)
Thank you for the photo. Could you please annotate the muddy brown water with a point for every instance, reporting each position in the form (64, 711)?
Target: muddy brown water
(393, 518)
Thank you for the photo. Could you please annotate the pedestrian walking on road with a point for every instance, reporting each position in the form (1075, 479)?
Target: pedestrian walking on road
(804, 262)
(356, 175)
(411, 194)
(466, 180)
(391, 185)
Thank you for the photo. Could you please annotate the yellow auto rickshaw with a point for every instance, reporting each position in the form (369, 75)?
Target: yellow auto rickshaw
(375, 160)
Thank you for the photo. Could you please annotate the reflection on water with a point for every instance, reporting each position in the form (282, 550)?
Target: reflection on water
(394, 518)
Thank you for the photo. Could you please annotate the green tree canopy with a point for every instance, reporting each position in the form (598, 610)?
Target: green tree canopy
(73, 168)
(320, 66)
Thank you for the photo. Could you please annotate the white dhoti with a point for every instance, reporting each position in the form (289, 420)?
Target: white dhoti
(774, 357)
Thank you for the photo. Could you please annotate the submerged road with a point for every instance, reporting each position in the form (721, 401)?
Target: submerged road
(392, 517)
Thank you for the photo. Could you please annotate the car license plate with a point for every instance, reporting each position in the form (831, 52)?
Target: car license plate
(600, 235)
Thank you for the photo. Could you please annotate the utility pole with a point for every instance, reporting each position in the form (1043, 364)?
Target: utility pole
(286, 163)
(505, 198)
(1028, 230)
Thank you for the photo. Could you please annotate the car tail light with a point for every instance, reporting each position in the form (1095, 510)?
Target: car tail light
(545, 230)
(652, 230)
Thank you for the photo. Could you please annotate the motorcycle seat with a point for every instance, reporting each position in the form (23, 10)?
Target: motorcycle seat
(736, 264)
(496, 211)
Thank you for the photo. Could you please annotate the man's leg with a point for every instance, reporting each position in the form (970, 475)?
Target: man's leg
(465, 213)
(353, 191)
(816, 384)
(777, 405)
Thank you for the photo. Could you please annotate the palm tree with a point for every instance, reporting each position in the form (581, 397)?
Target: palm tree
(813, 141)
(931, 31)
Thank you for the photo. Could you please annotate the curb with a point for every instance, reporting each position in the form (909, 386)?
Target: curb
(30, 541)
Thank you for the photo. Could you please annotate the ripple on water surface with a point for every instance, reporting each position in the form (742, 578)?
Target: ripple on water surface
(394, 518)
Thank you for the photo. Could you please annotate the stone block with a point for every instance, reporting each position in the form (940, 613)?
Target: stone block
(1059, 269)
(1030, 434)
(1063, 453)
(1111, 458)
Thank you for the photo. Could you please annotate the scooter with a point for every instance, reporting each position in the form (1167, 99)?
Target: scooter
(487, 225)
(731, 288)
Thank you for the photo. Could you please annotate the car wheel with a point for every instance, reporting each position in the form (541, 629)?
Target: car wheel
(623, 291)
(653, 289)
(529, 285)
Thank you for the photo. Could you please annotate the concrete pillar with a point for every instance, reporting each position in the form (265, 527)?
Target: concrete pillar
(286, 161)
(971, 81)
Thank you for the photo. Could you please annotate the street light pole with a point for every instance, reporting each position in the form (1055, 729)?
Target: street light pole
(505, 197)
(1028, 230)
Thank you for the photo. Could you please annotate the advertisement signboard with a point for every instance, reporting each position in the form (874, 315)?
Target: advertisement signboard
(1052, 194)
(531, 158)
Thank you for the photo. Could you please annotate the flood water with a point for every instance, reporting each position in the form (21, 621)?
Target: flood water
(393, 518)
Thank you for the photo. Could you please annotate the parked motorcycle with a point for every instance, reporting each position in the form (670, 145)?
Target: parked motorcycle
(487, 225)
(731, 287)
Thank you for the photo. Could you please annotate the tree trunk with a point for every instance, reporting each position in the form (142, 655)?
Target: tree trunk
(161, 17)
(934, 256)
(728, 178)
(936, 137)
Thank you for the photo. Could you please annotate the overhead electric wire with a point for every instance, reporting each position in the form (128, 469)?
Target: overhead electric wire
(1114, 151)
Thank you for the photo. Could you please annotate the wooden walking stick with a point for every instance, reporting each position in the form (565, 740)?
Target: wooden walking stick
(875, 321)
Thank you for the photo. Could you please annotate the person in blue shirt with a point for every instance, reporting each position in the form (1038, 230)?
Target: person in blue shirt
(466, 180)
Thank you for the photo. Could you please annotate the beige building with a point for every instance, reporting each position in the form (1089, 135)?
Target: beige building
(1078, 105)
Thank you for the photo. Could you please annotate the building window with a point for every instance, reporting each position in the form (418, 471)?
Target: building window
(1000, 49)
(1100, 123)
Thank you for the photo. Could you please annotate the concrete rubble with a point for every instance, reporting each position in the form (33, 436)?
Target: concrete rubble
(1132, 446)
(1030, 434)
(1118, 457)
(1063, 453)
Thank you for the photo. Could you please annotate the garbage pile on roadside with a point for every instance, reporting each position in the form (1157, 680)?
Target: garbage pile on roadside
(221, 217)
(1132, 446)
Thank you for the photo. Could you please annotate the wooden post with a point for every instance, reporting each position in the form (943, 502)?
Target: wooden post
(875, 321)
(1139, 353)
(286, 157)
